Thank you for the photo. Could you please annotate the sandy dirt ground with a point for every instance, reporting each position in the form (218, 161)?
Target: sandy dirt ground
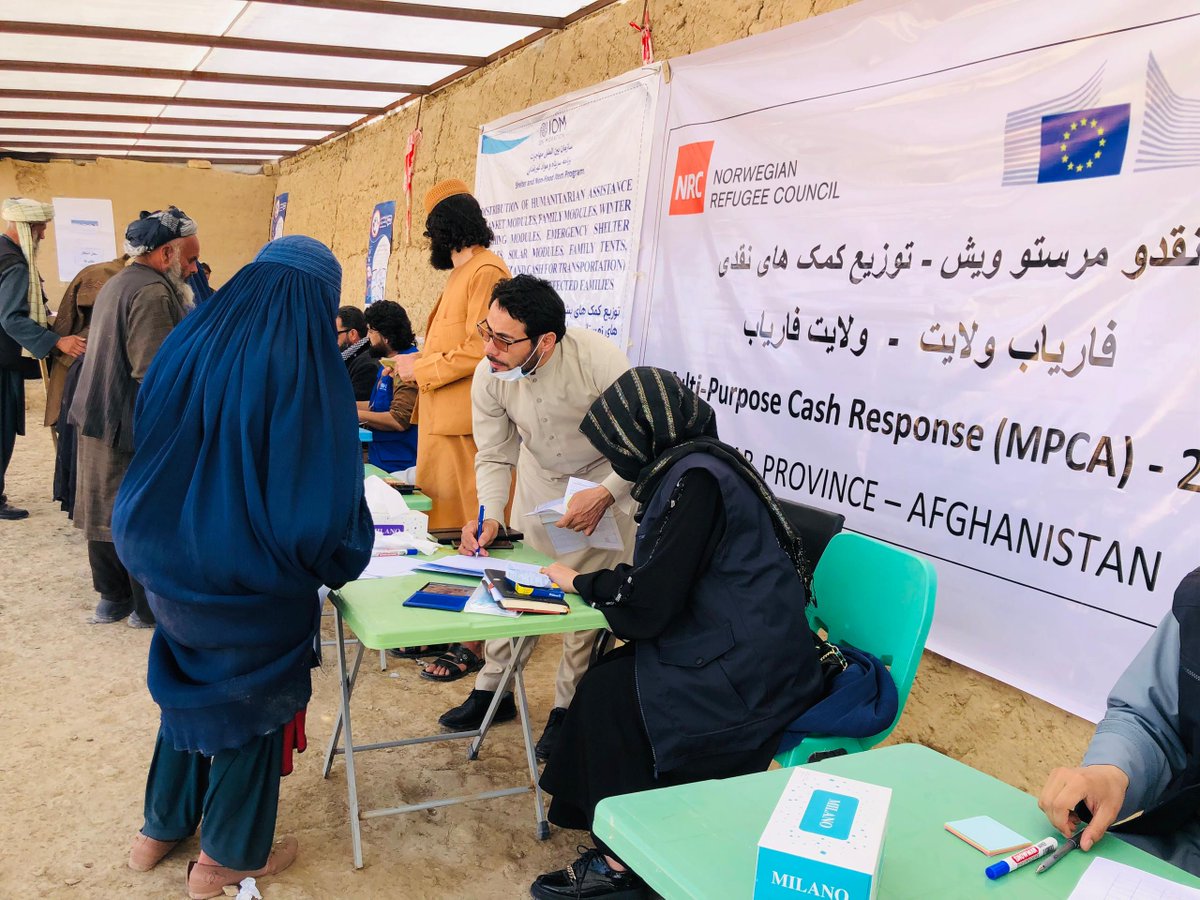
(78, 728)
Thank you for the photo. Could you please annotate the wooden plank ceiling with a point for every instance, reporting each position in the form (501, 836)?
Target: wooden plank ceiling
(237, 82)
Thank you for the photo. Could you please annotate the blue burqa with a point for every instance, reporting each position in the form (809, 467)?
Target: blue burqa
(244, 496)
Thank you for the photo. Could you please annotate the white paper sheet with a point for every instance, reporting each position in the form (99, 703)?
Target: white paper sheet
(526, 573)
(1108, 880)
(84, 234)
(390, 566)
(482, 601)
(606, 536)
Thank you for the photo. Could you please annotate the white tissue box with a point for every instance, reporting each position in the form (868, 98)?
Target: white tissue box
(824, 839)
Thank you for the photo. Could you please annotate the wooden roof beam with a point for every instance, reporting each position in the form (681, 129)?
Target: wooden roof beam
(96, 32)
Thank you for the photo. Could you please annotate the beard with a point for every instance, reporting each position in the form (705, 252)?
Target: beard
(379, 351)
(440, 256)
(174, 275)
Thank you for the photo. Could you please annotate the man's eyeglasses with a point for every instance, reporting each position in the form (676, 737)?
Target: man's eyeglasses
(345, 331)
(505, 344)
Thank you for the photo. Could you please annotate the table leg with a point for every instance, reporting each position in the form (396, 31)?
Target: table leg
(539, 808)
(505, 678)
(351, 784)
(337, 725)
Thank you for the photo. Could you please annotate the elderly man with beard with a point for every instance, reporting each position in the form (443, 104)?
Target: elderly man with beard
(135, 311)
(24, 335)
(459, 238)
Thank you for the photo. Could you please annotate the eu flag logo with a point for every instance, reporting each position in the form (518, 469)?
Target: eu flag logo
(1087, 143)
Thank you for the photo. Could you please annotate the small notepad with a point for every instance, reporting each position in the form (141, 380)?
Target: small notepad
(987, 835)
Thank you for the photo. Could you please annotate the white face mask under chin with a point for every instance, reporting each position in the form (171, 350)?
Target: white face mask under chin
(518, 372)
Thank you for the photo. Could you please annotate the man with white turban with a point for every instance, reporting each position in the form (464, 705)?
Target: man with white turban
(24, 337)
(134, 312)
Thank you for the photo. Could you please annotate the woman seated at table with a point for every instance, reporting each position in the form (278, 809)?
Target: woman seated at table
(720, 657)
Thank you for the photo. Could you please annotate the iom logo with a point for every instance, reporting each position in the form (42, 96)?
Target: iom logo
(829, 814)
(691, 178)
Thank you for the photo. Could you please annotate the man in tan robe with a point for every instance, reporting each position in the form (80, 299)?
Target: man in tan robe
(459, 237)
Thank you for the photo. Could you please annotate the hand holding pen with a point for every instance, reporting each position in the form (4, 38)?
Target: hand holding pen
(1071, 843)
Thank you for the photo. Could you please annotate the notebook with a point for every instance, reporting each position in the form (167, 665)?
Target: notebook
(508, 597)
(987, 835)
(439, 595)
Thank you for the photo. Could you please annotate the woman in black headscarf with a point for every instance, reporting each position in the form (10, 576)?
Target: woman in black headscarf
(719, 658)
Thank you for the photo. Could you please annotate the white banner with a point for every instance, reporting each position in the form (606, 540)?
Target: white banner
(562, 185)
(935, 265)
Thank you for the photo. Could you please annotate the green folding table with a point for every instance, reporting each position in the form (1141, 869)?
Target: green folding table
(373, 610)
(416, 500)
(700, 840)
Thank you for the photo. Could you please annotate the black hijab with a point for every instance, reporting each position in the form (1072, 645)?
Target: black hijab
(648, 420)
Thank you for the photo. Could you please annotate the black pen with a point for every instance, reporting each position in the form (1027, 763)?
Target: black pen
(1063, 849)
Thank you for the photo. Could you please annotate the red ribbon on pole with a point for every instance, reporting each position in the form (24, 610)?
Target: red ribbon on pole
(410, 165)
(647, 38)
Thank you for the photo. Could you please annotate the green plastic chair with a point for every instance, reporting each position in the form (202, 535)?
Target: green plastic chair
(877, 598)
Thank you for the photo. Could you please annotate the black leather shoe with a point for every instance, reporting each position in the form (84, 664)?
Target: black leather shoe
(589, 876)
(109, 611)
(12, 512)
(545, 744)
(469, 716)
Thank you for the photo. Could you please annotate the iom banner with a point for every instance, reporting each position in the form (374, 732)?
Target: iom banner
(935, 265)
(379, 249)
(563, 186)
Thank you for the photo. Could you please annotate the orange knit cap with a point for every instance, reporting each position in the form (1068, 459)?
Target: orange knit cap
(442, 190)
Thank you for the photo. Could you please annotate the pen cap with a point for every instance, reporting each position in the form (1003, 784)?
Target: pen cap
(995, 870)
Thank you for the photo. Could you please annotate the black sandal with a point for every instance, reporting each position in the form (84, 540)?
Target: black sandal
(417, 652)
(459, 660)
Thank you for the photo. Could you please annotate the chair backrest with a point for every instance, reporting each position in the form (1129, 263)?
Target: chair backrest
(877, 598)
(816, 527)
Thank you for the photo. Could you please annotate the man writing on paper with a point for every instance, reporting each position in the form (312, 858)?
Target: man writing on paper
(135, 311)
(528, 397)
(459, 237)
(1145, 754)
(24, 335)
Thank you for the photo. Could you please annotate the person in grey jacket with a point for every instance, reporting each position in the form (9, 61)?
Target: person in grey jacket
(1145, 754)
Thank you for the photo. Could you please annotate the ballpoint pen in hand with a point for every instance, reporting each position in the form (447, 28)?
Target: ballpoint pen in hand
(1071, 843)
(478, 531)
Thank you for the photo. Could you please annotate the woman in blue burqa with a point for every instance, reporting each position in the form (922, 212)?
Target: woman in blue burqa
(245, 495)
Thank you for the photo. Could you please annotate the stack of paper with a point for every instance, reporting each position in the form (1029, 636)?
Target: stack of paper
(606, 536)
(526, 573)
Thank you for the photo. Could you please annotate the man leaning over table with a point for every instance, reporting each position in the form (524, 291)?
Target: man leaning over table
(529, 395)
(1145, 754)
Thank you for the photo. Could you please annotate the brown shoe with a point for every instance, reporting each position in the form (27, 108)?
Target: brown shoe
(204, 881)
(148, 853)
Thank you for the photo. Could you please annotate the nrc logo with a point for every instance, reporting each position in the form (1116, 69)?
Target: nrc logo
(691, 178)
(829, 814)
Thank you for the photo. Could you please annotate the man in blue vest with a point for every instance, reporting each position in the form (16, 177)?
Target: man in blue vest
(1145, 755)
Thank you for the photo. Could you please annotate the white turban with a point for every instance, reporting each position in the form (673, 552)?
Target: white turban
(22, 212)
(22, 209)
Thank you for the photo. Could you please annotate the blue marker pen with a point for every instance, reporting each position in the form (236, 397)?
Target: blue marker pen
(408, 551)
(1021, 857)
(478, 531)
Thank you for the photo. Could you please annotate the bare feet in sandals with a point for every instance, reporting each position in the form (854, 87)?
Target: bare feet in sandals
(459, 660)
